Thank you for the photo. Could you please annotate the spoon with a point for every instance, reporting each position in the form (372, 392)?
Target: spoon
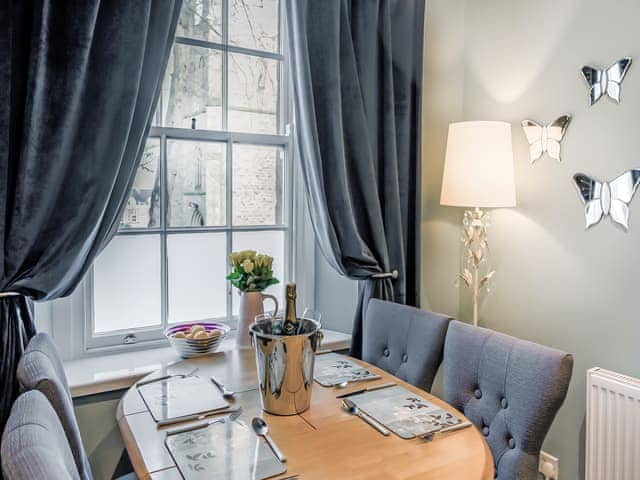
(353, 409)
(262, 430)
(225, 392)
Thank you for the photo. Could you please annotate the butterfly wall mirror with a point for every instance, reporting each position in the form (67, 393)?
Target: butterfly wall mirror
(545, 138)
(601, 82)
(607, 198)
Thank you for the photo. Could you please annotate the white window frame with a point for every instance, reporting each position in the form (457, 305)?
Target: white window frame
(73, 318)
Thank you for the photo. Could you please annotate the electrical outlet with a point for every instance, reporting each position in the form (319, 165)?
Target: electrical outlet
(549, 466)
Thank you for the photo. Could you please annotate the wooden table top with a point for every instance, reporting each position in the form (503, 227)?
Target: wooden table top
(325, 442)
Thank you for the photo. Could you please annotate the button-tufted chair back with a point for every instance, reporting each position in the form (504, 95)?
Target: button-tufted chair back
(510, 389)
(34, 445)
(40, 368)
(404, 341)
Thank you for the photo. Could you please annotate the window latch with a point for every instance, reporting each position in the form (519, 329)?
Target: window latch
(130, 339)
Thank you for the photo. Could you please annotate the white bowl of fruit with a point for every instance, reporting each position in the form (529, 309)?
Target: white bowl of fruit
(196, 338)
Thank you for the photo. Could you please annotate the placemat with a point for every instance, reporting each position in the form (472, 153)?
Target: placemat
(178, 397)
(225, 451)
(403, 412)
(332, 368)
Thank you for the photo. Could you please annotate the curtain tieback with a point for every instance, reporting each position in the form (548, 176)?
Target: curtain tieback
(392, 274)
(9, 294)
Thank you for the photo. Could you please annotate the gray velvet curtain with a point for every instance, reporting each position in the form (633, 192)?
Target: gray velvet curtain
(357, 70)
(78, 84)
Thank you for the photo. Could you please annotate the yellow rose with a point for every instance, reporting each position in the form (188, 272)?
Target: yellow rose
(247, 254)
(247, 265)
(261, 260)
(235, 258)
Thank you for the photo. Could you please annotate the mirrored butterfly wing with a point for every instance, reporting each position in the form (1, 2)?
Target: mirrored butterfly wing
(553, 149)
(624, 187)
(593, 77)
(620, 213)
(559, 127)
(555, 134)
(613, 91)
(590, 191)
(533, 132)
(615, 75)
(622, 190)
(617, 71)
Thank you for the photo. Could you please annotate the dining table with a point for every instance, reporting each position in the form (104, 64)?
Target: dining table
(323, 442)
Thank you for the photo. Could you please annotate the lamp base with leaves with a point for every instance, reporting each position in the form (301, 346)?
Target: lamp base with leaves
(476, 271)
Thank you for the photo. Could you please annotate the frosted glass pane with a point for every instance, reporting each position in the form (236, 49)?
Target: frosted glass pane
(271, 243)
(127, 284)
(197, 271)
(257, 185)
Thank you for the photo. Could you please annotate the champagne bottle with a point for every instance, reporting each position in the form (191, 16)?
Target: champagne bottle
(290, 324)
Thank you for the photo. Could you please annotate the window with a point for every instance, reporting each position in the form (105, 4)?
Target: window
(215, 177)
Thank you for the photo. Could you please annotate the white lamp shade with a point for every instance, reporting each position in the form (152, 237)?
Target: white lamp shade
(478, 168)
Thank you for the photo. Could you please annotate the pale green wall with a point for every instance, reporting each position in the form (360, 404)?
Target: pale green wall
(556, 284)
(335, 296)
(96, 415)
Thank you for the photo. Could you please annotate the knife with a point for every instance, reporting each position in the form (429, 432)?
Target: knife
(234, 415)
(430, 436)
(368, 389)
(196, 416)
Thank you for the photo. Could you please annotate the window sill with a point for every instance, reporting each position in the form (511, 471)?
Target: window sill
(118, 371)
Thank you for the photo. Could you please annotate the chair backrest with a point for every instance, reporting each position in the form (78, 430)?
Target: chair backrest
(34, 444)
(40, 368)
(509, 388)
(404, 341)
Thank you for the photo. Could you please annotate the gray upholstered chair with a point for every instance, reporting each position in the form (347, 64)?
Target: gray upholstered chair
(404, 341)
(40, 368)
(34, 444)
(510, 389)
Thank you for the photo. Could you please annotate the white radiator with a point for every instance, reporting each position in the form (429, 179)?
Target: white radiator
(613, 426)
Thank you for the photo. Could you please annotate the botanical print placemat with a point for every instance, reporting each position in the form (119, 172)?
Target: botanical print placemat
(332, 368)
(178, 397)
(225, 451)
(403, 412)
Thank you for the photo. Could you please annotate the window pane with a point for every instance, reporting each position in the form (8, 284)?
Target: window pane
(127, 284)
(142, 208)
(201, 19)
(254, 24)
(192, 89)
(197, 271)
(253, 94)
(196, 183)
(271, 243)
(257, 185)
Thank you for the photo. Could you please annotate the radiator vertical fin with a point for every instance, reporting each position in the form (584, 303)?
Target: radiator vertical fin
(613, 426)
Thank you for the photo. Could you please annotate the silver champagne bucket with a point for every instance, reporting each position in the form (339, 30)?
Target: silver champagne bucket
(285, 364)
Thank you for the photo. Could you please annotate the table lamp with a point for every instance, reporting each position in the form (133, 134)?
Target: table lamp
(478, 173)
